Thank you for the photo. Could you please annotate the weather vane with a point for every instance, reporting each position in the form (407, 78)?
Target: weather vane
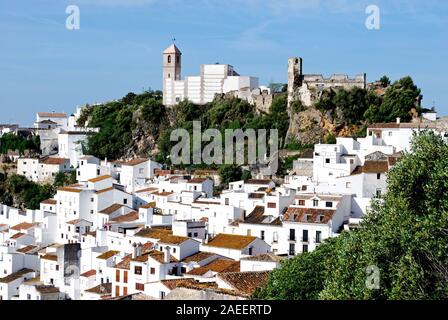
(173, 39)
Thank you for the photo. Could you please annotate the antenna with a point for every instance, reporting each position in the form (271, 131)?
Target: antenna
(173, 39)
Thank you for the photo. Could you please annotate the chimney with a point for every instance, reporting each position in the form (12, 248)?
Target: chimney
(166, 256)
(398, 120)
(139, 249)
(135, 251)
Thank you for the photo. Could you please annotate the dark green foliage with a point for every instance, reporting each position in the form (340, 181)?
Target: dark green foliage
(398, 101)
(404, 236)
(385, 81)
(12, 142)
(116, 121)
(17, 190)
(229, 173)
(330, 139)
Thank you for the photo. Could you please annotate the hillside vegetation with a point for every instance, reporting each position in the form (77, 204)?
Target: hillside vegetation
(140, 125)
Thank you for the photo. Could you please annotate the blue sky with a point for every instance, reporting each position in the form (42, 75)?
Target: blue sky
(45, 67)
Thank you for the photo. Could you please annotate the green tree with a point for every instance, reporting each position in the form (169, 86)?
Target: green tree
(404, 236)
(229, 173)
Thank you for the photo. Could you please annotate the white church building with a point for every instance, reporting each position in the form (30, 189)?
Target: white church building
(213, 79)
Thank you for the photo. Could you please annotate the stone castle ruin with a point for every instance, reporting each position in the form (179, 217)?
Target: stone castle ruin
(308, 88)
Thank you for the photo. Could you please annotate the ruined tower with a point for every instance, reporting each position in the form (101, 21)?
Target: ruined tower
(294, 78)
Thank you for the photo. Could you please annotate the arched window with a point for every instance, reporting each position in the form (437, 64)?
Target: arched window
(169, 75)
(177, 59)
(169, 59)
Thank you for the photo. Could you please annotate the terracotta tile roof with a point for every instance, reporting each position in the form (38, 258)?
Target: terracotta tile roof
(111, 209)
(245, 282)
(125, 263)
(258, 181)
(27, 249)
(24, 226)
(197, 180)
(52, 115)
(174, 283)
(153, 233)
(159, 172)
(47, 289)
(231, 241)
(17, 236)
(256, 195)
(129, 217)
(16, 275)
(308, 215)
(70, 189)
(372, 166)
(55, 161)
(257, 216)
(134, 162)
(100, 178)
(163, 194)
(265, 257)
(49, 201)
(50, 257)
(199, 256)
(154, 254)
(108, 254)
(146, 190)
(104, 190)
(394, 125)
(217, 266)
(103, 289)
(89, 273)
(175, 240)
(149, 205)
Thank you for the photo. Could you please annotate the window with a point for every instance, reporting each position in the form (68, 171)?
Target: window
(125, 201)
(305, 248)
(189, 235)
(169, 59)
(315, 203)
(327, 160)
(138, 270)
(301, 202)
(292, 249)
(329, 204)
(117, 275)
(378, 176)
(162, 295)
(250, 251)
(318, 236)
(125, 291)
(390, 133)
(28, 296)
(304, 188)
(117, 291)
(140, 286)
(177, 59)
(91, 199)
(292, 234)
(227, 201)
(195, 234)
(275, 237)
(305, 235)
(378, 193)
(152, 271)
(348, 185)
(98, 172)
(262, 235)
(272, 205)
(249, 232)
(125, 278)
(141, 170)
